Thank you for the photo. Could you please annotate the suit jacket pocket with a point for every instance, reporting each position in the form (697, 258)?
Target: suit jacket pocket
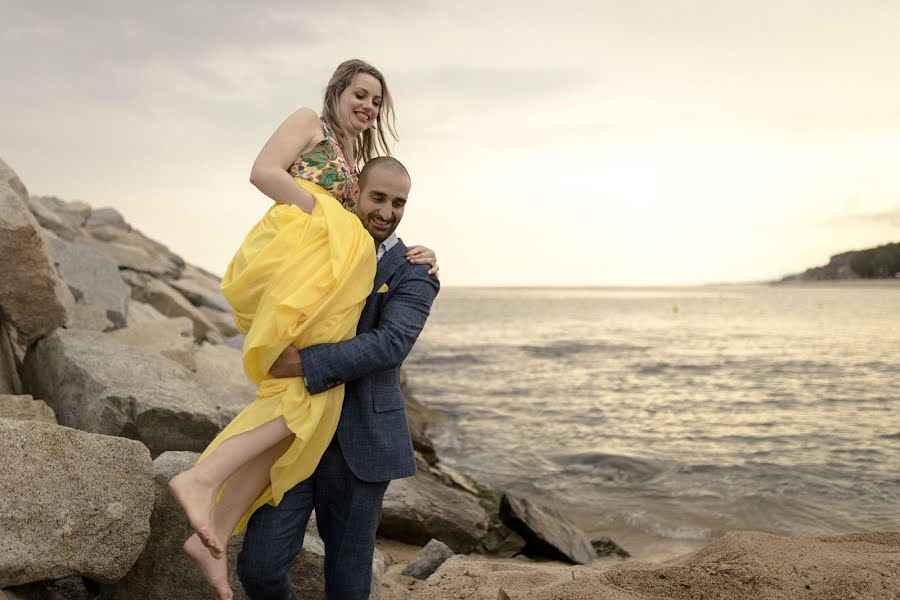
(384, 402)
(386, 395)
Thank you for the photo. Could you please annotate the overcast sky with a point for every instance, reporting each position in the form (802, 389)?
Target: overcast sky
(560, 143)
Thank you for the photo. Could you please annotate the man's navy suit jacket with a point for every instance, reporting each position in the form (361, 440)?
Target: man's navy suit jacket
(372, 432)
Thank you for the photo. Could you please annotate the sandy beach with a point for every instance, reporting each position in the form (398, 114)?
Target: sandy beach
(741, 565)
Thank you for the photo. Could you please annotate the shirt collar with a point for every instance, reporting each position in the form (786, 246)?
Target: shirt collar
(386, 245)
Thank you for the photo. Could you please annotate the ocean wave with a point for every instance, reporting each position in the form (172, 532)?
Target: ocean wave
(642, 520)
(610, 467)
(662, 367)
(563, 348)
(454, 358)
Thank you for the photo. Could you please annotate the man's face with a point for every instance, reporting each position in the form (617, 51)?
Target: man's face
(380, 204)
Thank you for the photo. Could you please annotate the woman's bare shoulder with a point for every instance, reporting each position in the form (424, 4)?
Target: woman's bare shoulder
(305, 117)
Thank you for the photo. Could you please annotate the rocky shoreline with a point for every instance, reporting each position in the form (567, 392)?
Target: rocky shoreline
(119, 362)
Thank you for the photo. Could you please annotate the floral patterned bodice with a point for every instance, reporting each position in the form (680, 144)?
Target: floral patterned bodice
(326, 166)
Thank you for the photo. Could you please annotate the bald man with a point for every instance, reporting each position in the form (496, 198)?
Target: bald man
(372, 444)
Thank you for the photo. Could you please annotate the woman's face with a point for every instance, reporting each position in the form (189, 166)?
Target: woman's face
(360, 102)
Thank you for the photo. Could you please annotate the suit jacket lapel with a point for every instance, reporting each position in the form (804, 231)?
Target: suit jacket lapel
(392, 259)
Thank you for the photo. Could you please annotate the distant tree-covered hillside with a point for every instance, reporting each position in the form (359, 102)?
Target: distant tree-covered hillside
(880, 262)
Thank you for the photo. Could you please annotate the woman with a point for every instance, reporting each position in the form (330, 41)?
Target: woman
(300, 277)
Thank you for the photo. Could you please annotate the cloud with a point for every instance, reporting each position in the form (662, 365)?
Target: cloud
(889, 217)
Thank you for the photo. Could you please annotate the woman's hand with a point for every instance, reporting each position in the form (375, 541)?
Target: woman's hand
(420, 255)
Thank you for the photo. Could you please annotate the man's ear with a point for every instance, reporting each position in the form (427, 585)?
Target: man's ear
(354, 192)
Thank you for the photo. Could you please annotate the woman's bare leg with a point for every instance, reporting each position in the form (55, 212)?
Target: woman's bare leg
(243, 488)
(196, 488)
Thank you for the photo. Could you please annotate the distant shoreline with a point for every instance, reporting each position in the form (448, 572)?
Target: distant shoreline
(865, 283)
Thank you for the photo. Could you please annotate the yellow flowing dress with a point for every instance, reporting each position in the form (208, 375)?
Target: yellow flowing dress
(298, 279)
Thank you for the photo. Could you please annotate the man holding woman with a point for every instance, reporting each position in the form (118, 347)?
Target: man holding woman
(300, 285)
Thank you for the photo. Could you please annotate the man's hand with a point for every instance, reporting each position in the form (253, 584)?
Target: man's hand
(288, 364)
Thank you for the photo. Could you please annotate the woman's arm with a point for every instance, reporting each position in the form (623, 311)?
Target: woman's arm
(270, 172)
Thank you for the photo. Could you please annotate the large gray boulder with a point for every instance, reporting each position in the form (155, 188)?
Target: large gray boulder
(164, 572)
(97, 384)
(220, 373)
(91, 317)
(171, 303)
(140, 313)
(74, 212)
(107, 216)
(419, 508)
(201, 291)
(133, 250)
(172, 338)
(224, 322)
(50, 220)
(32, 296)
(546, 531)
(70, 503)
(92, 277)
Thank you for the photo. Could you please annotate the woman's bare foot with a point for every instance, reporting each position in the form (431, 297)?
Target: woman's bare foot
(197, 499)
(215, 570)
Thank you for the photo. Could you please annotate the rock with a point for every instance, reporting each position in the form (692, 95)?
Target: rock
(32, 296)
(48, 219)
(133, 250)
(428, 560)
(236, 342)
(503, 542)
(10, 358)
(25, 408)
(93, 278)
(133, 237)
(164, 572)
(134, 279)
(546, 531)
(224, 322)
(70, 503)
(74, 212)
(172, 338)
(454, 477)
(201, 295)
(90, 317)
(220, 373)
(29, 591)
(97, 384)
(418, 416)
(140, 313)
(606, 547)
(130, 257)
(419, 508)
(67, 588)
(169, 302)
(107, 216)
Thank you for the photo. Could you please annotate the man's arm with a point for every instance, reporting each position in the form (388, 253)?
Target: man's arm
(385, 347)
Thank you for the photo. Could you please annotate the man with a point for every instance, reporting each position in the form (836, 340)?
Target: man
(372, 444)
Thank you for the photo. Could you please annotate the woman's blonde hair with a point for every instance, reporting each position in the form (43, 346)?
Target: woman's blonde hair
(371, 142)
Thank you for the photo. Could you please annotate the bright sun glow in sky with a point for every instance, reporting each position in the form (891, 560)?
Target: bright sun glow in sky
(569, 143)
